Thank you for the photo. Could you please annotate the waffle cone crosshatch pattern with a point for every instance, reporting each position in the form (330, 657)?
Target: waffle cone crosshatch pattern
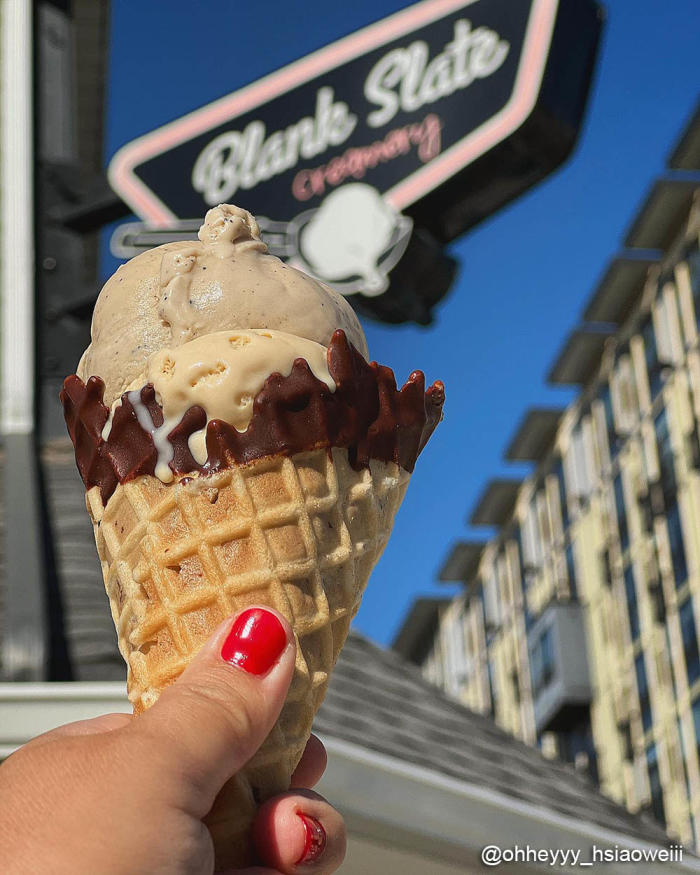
(298, 534)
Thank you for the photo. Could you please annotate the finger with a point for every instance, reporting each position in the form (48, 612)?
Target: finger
(91, 726)
(300, 832)
(211, 721)
(311, 765)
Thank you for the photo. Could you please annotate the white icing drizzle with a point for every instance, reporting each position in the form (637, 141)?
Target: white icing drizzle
(197, 442)
(164, 448)
(107, 428)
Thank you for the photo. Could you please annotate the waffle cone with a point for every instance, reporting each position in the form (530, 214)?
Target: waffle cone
(298, 534)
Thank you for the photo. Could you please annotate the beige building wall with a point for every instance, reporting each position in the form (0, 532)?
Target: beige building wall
(609, 523)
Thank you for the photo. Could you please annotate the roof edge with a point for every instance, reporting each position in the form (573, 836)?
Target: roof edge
(465, 816)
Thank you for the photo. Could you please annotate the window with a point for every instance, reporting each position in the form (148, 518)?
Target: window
(632, 607)
(643, 692)
(571, 572)
(675, 540)
(492, 607)
(580, 483)
(515, 682)
(657, 796)
(651, 357)
(694, 273)
(490, 673)
(658, 601)
(667, 328)
(667, 473)
(544, 520)
(532, 543)
(561, 486)
(455, 650)
(518, 538)
(613, 441)
(684, 756)
(627, 406)
(690, 641)
(606, 571)
(621, 513)
(625, 737)
(542, 662)
(696, 723)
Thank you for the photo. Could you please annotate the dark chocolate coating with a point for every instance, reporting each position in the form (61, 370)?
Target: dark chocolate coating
(367, 414)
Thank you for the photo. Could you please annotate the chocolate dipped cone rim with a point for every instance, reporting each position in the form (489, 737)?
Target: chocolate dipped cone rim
(366, 414)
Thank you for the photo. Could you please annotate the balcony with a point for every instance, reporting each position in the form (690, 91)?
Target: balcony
(559, 667)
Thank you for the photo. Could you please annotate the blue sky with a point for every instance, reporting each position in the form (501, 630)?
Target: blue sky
(525, 274)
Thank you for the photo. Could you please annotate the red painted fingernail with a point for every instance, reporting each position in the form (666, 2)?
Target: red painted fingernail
(255, 642)
(315, 840)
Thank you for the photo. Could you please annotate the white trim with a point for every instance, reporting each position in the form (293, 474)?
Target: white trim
(16, 219)
(466, 815)
(27, 709)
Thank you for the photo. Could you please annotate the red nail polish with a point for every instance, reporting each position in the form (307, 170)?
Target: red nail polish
(315, 839)
(255, 642)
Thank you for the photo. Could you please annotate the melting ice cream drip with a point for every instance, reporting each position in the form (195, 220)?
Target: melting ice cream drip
(175, 307)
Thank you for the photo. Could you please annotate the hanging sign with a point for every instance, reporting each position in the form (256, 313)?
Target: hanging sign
(356, 157)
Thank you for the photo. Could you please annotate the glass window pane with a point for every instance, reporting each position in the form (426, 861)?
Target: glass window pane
(694, 273)
(613, 441)
(542, 667)
(675, 540)
(643, 692)
(621, 513)
(561, 487)
(632, 607)
(657, 796)
(690, 641)
(571, 571)
(696, 723)
(583, 477)
(667, 471)
(626, 395)
(651, 357)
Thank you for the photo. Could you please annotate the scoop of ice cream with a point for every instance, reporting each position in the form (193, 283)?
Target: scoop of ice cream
(175, 293)
(221, 373)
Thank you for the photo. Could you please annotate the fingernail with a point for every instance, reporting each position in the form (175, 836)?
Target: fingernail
(255, 642)
(315, 840)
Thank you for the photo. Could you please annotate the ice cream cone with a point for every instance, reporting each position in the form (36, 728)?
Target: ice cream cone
(238, 449)
(300, 534)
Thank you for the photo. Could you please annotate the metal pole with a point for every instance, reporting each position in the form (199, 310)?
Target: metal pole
(22, 607)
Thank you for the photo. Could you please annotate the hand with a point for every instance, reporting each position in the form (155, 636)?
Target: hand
(121, 795)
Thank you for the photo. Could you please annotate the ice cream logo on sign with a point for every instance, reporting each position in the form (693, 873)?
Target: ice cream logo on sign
(353, 240)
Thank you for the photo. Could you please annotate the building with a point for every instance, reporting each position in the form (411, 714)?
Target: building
(577, 628)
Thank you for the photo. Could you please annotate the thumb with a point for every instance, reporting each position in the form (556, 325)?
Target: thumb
(211, 721)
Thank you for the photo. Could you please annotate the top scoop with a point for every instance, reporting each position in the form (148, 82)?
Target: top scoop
(227, 280)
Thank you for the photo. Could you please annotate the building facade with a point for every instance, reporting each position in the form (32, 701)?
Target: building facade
(577, 628)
